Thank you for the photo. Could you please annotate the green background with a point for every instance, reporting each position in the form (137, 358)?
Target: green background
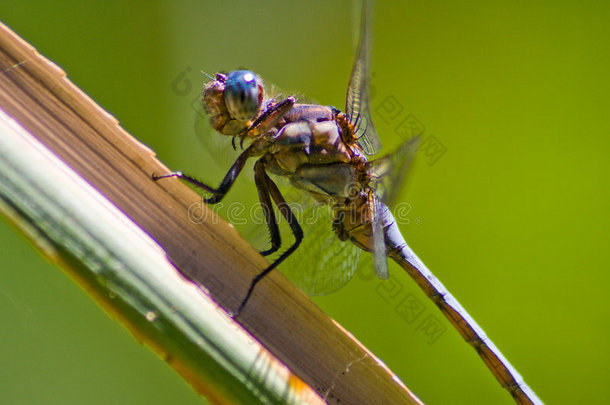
(512, 218)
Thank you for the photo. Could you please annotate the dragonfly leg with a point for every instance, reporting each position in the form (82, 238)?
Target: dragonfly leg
(230, 177)
(284, 208)
(185, 177)
(260, 179)
(225, 185)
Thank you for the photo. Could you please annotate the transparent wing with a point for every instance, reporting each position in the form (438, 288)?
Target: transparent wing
(388, 173)
(357, 105)
(379, 248)
(322, 263)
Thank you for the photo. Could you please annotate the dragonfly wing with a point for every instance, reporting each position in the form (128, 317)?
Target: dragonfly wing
(379, 247)
(357, 106)
(389, 172)
(322, 263)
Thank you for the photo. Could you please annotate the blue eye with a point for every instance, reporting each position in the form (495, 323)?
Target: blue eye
(243, 95)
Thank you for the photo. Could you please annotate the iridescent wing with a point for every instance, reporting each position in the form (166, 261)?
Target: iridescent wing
(323, 263)
(357, 105)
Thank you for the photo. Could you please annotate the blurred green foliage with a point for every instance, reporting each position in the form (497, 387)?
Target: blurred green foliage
(512, 217)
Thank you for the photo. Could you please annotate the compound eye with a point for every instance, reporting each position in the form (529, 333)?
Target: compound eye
(243, 95)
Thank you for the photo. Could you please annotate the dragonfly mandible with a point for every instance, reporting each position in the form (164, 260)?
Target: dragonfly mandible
(323, 152)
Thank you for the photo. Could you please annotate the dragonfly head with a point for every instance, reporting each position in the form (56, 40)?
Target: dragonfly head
(243, 94)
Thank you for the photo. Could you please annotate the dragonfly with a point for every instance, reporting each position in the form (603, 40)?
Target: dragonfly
(325, 153)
